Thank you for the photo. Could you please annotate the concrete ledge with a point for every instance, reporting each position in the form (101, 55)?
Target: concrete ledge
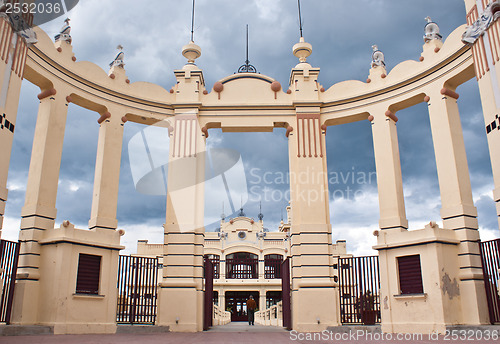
(142, 329)
(25, 330)
(355, 328)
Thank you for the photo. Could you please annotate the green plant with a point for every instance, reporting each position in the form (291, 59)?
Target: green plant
(365, 306)
(365, 302)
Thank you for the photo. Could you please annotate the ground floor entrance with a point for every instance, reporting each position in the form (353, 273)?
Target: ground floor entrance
(236, 303)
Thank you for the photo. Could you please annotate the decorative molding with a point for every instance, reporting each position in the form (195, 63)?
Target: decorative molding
(309, 136)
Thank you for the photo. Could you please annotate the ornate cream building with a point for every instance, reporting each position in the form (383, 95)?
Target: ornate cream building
(247, 258)
(430, 278)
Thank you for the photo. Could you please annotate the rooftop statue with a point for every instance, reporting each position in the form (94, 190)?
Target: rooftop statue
(490, 14)
(119, 59)
(19, 25)
(431, 31)
(64, 34)
(377, 57)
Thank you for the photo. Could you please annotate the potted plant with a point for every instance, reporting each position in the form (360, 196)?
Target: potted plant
(365, 305)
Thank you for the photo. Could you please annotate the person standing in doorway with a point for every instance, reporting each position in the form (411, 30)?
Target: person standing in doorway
(251, 306)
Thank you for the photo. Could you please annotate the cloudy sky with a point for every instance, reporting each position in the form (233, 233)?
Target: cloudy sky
(341, 33)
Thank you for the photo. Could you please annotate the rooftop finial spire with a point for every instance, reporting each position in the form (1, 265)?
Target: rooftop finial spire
(192, 24)
(261, 216)
(300, 19)
(247, 67)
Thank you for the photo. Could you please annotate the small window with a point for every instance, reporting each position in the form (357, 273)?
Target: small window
(410, 275)
(89, 270)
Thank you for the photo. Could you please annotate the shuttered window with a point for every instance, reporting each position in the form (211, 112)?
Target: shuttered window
(89, 270)
(410, 275)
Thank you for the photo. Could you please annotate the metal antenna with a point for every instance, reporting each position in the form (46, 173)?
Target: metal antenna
(192, 24)
(247, 67)
(300, 19)
(247, 61)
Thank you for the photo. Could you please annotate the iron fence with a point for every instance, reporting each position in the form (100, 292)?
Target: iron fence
(137, 290)
(9, 257)
(359, 282)
(490, 257)
(272, 268)
(241, 268)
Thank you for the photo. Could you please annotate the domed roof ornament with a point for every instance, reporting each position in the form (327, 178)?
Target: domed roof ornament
(302, 50)
(260, 216)
(431, 31)
(119, 60)
(241, 213)
(378, 58)
(191, 51)
(64, 34)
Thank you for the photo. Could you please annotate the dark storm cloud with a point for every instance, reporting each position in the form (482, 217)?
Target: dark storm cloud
(341, 34)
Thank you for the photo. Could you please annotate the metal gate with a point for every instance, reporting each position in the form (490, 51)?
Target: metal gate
(209, 294)
(490, 256)
(359, 282)
(137, 290)
(9, 256)
(285, 294)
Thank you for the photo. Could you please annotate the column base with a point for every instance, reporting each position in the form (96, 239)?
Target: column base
(474, 303)
(314, 309)
(25, 304)
(180, 308)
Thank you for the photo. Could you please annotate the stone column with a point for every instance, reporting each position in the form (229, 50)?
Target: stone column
(262, 299)
(222, 299)
(390, 191)
(486, 55)
(457, 206)
(181, 291)
(389, 177)
(11, 74)
(314, 305)
(39, 211)
(107, 172)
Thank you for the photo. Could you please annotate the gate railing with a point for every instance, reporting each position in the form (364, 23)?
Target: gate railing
(490, 257)
(272, 268)
(137, 290)
(242, 268)
(359, 282)
(9, 257)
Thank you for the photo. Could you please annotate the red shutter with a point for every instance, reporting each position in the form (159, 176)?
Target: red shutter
(410, 275)
(89, 270)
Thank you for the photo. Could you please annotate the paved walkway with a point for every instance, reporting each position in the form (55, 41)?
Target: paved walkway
(239, 333)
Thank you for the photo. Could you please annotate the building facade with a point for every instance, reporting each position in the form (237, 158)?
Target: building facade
(247, 260)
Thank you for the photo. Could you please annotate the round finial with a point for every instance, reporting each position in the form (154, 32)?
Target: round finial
(276, 86)
(302, 50)
(218, 87)
(191, 51)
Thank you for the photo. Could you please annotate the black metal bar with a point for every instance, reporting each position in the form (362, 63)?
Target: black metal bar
(285, 294)
(490, 259)
(359, 281)
(13, 272)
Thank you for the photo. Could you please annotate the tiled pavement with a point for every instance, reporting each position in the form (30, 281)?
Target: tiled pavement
(239, 333)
